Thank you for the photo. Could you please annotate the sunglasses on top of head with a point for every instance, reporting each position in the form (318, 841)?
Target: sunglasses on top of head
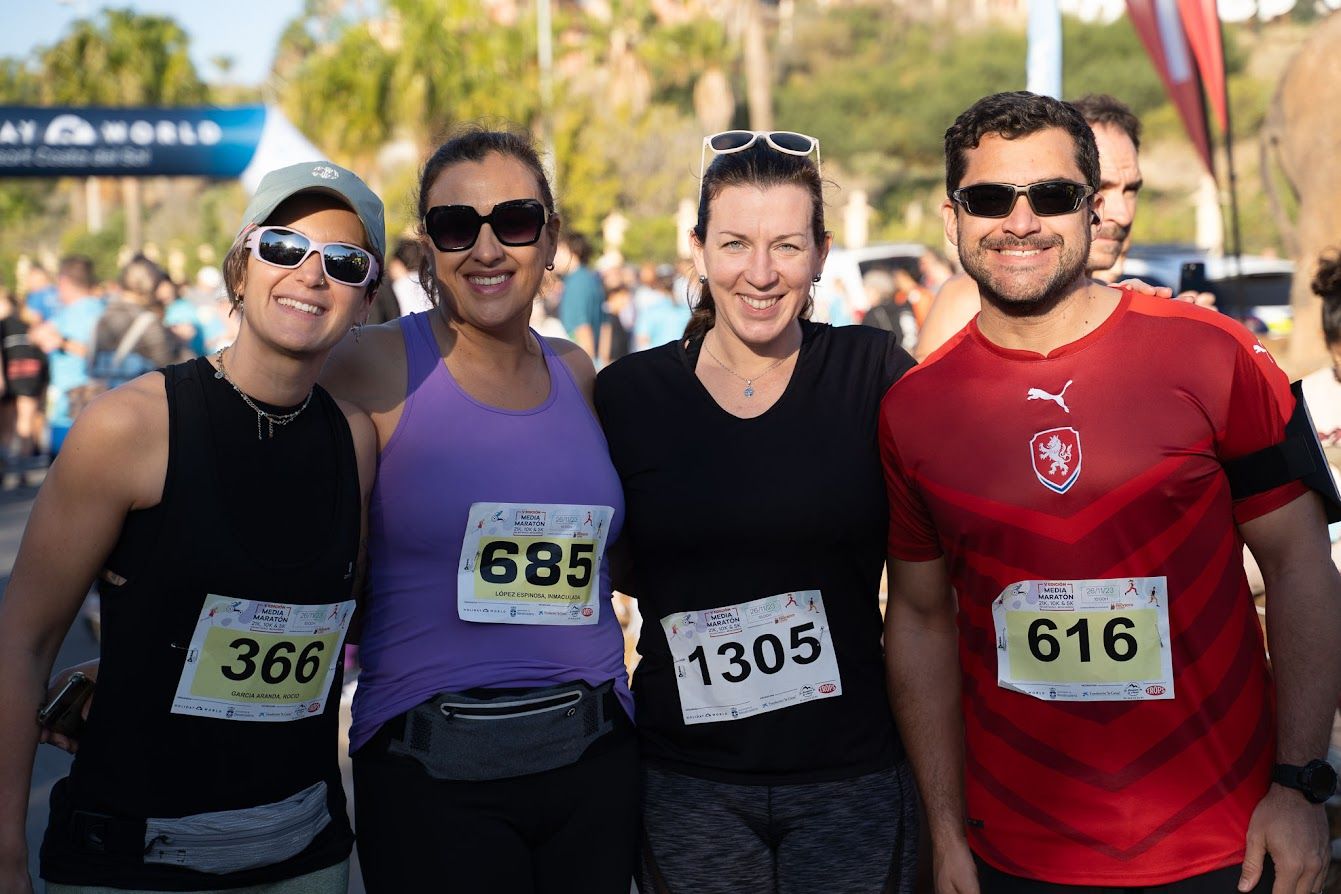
(786, 141)
(1048, 198)
(340, 261)
(515, 223)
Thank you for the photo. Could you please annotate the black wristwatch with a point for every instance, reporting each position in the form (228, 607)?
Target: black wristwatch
(1316, 779)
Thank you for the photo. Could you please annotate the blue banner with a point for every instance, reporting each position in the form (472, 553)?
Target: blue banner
(128, 142)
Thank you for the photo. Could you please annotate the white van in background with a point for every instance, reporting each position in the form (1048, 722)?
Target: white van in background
(839, 296)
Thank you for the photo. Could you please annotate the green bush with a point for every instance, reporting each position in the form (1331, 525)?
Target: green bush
(650, 239)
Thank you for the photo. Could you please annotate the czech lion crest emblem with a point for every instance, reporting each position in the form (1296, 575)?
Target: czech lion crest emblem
(1056, 456)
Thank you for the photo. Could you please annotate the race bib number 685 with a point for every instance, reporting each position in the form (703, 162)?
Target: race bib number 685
(532, 563)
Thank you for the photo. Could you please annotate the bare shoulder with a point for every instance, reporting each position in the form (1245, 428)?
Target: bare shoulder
(120, 441)
(360, 424)
(577, 361)
(959, 291)
(364, 434)
(134, 414)
(368, 371)
(955, 304)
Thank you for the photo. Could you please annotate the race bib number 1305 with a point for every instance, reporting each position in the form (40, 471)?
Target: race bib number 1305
(532, 563)
(740, 660)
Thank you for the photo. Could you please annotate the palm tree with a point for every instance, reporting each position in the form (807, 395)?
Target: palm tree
(426, 66)
(122, 58)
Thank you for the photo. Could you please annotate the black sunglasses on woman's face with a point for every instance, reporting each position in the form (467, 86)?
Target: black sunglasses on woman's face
(516, 222)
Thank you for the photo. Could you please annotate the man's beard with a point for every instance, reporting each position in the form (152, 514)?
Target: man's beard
(1105, 257)
(1025, 299)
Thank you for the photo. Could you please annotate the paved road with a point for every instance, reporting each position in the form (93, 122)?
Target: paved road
(51, 763)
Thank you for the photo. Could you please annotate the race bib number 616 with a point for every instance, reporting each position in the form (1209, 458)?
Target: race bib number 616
(1090, 640)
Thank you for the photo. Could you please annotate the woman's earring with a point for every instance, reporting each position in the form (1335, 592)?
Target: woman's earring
(549, 266)
(702, 280)
(357, 329)
(814, 279)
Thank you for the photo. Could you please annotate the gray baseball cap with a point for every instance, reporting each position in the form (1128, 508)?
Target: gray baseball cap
(320, 176)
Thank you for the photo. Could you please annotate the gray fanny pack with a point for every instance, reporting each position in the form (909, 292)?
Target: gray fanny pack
(234, 840)
(462, 737)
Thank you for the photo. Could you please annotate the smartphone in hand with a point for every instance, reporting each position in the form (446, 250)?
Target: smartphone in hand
(64, 714)
(1192, 278)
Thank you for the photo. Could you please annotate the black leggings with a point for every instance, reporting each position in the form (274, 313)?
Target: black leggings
(574, 829)
(848, 836)
(1221, 881)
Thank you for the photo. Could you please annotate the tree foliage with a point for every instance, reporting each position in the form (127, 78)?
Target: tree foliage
(121, 58)
(19, 84)
(425, 67)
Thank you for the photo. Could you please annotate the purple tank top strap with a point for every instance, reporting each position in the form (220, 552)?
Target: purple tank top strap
(421, 348)
(563, 386)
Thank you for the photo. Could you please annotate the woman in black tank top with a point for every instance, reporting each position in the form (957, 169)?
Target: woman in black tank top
(220, 506)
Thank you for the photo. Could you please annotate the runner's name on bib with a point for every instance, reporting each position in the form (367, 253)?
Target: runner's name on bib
(255, 660)
(741, 660)
(1085, 640)
(532, 563)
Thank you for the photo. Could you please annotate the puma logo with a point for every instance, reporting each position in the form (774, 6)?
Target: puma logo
(1058, 399)
(1258, 349)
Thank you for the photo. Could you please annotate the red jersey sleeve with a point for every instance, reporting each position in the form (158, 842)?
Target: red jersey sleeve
(1260, 404)
(912, 536)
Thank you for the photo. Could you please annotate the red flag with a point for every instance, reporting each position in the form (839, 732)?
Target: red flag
(1161, 30)
(1201, 21)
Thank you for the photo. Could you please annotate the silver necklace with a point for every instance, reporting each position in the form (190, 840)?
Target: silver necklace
(272, 419)
(749, 383)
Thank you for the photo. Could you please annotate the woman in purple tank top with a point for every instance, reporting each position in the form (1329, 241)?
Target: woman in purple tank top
(492, 739)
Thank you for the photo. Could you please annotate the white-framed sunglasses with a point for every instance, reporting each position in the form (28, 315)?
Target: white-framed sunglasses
(340, 261)
(786, 141)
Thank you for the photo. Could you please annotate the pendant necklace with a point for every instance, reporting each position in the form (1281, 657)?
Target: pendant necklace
(272, 419)
(749, 383)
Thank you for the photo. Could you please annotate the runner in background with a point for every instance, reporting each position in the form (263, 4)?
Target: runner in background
(26, 376)
(66, 337)
(219, 506)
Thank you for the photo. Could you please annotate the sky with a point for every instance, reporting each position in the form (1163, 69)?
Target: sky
(246, 30)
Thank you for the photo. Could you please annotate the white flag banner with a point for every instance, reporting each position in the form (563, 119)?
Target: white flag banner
(1044, 67)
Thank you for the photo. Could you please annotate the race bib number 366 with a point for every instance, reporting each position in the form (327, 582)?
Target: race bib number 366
(1085, 640)
(532, 563)
(741, 660)
(254, 660)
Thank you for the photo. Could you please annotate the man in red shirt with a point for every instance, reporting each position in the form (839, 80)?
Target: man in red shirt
(1065, 731)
